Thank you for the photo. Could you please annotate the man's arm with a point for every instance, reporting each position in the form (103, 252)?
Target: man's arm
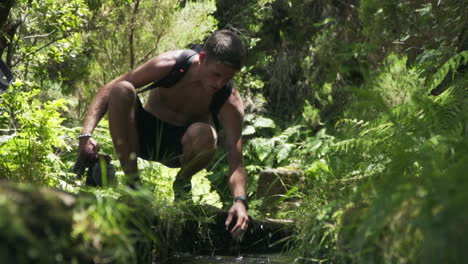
(152, 70)
(231, 116)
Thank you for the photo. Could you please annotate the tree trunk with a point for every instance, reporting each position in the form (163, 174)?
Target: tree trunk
(132, 34)
(7, 28)
(5, 9)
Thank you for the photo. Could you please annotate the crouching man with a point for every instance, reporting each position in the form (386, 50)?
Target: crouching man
(178, 124)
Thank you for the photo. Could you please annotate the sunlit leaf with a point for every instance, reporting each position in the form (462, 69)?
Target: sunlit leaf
(264, 122)
(248, 130)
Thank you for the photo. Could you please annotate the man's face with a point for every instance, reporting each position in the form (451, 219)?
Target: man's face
(215, 75)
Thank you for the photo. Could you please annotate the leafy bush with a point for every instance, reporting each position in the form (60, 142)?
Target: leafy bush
(31, 148)
(388, 178)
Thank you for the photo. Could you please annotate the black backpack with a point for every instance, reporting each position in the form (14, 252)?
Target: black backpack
(6, 77)
(182, 65)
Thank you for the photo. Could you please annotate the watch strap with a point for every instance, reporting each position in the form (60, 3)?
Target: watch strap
(243, 199)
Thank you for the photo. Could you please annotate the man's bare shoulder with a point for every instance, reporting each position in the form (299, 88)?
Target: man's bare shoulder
(154, 69)
(166, 59)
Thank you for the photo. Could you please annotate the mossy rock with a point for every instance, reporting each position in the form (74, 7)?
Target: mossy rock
(35, 224)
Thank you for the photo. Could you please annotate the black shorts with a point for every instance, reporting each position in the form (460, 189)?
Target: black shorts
(159, 141)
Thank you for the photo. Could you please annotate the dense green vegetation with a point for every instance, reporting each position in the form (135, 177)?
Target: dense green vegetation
(368, 98)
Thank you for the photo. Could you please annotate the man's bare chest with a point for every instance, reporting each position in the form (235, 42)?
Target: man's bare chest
(180, 104)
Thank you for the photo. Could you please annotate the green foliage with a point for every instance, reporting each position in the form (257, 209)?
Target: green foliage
(383, 199)
(451, 65)
(339, 89)
(42, 225)
(35, 225)
(29, 150)
(311, 116)
(161, 179)
(390, 25)
(190, 24)
(202, 192)
(116, 227)
(250, 87)
(270, 151)
(48, 45)
(156, 27)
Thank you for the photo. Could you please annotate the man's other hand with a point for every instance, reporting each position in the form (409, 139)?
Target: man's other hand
(238, 211)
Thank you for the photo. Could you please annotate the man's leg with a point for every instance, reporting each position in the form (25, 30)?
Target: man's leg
(198, 148)
(122, 123)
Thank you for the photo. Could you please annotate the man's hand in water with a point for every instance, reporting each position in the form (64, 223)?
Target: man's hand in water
(238, 210)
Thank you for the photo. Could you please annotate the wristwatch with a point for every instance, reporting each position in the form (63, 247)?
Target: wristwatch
(243, 199)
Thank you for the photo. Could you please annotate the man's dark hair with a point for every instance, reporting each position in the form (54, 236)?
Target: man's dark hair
(224, 46)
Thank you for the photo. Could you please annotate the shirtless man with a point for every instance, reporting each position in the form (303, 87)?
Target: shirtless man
(176, 126)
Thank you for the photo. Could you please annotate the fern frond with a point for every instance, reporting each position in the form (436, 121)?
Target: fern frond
(451, 65)
(377, 130)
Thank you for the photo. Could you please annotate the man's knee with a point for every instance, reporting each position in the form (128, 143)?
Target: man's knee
(200, 136)
(122, 92)
(122, 120)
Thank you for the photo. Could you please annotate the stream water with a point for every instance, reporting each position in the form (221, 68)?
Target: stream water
(248, 259)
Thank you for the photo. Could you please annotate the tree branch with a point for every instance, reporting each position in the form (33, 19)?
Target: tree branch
(45, 46)
(41, 36)
(132, 34)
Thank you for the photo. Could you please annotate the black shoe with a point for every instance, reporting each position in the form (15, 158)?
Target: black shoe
(182, 189)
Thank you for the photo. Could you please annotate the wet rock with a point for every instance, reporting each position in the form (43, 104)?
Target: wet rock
(212, 237)
(275, 182)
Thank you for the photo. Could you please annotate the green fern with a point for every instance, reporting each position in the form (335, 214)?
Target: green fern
(450, 66)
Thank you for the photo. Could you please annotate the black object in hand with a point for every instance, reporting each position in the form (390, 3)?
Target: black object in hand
(79, 168)
(100, 171)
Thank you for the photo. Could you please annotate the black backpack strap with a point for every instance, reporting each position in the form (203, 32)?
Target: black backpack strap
(181, 66)
(218, 100)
